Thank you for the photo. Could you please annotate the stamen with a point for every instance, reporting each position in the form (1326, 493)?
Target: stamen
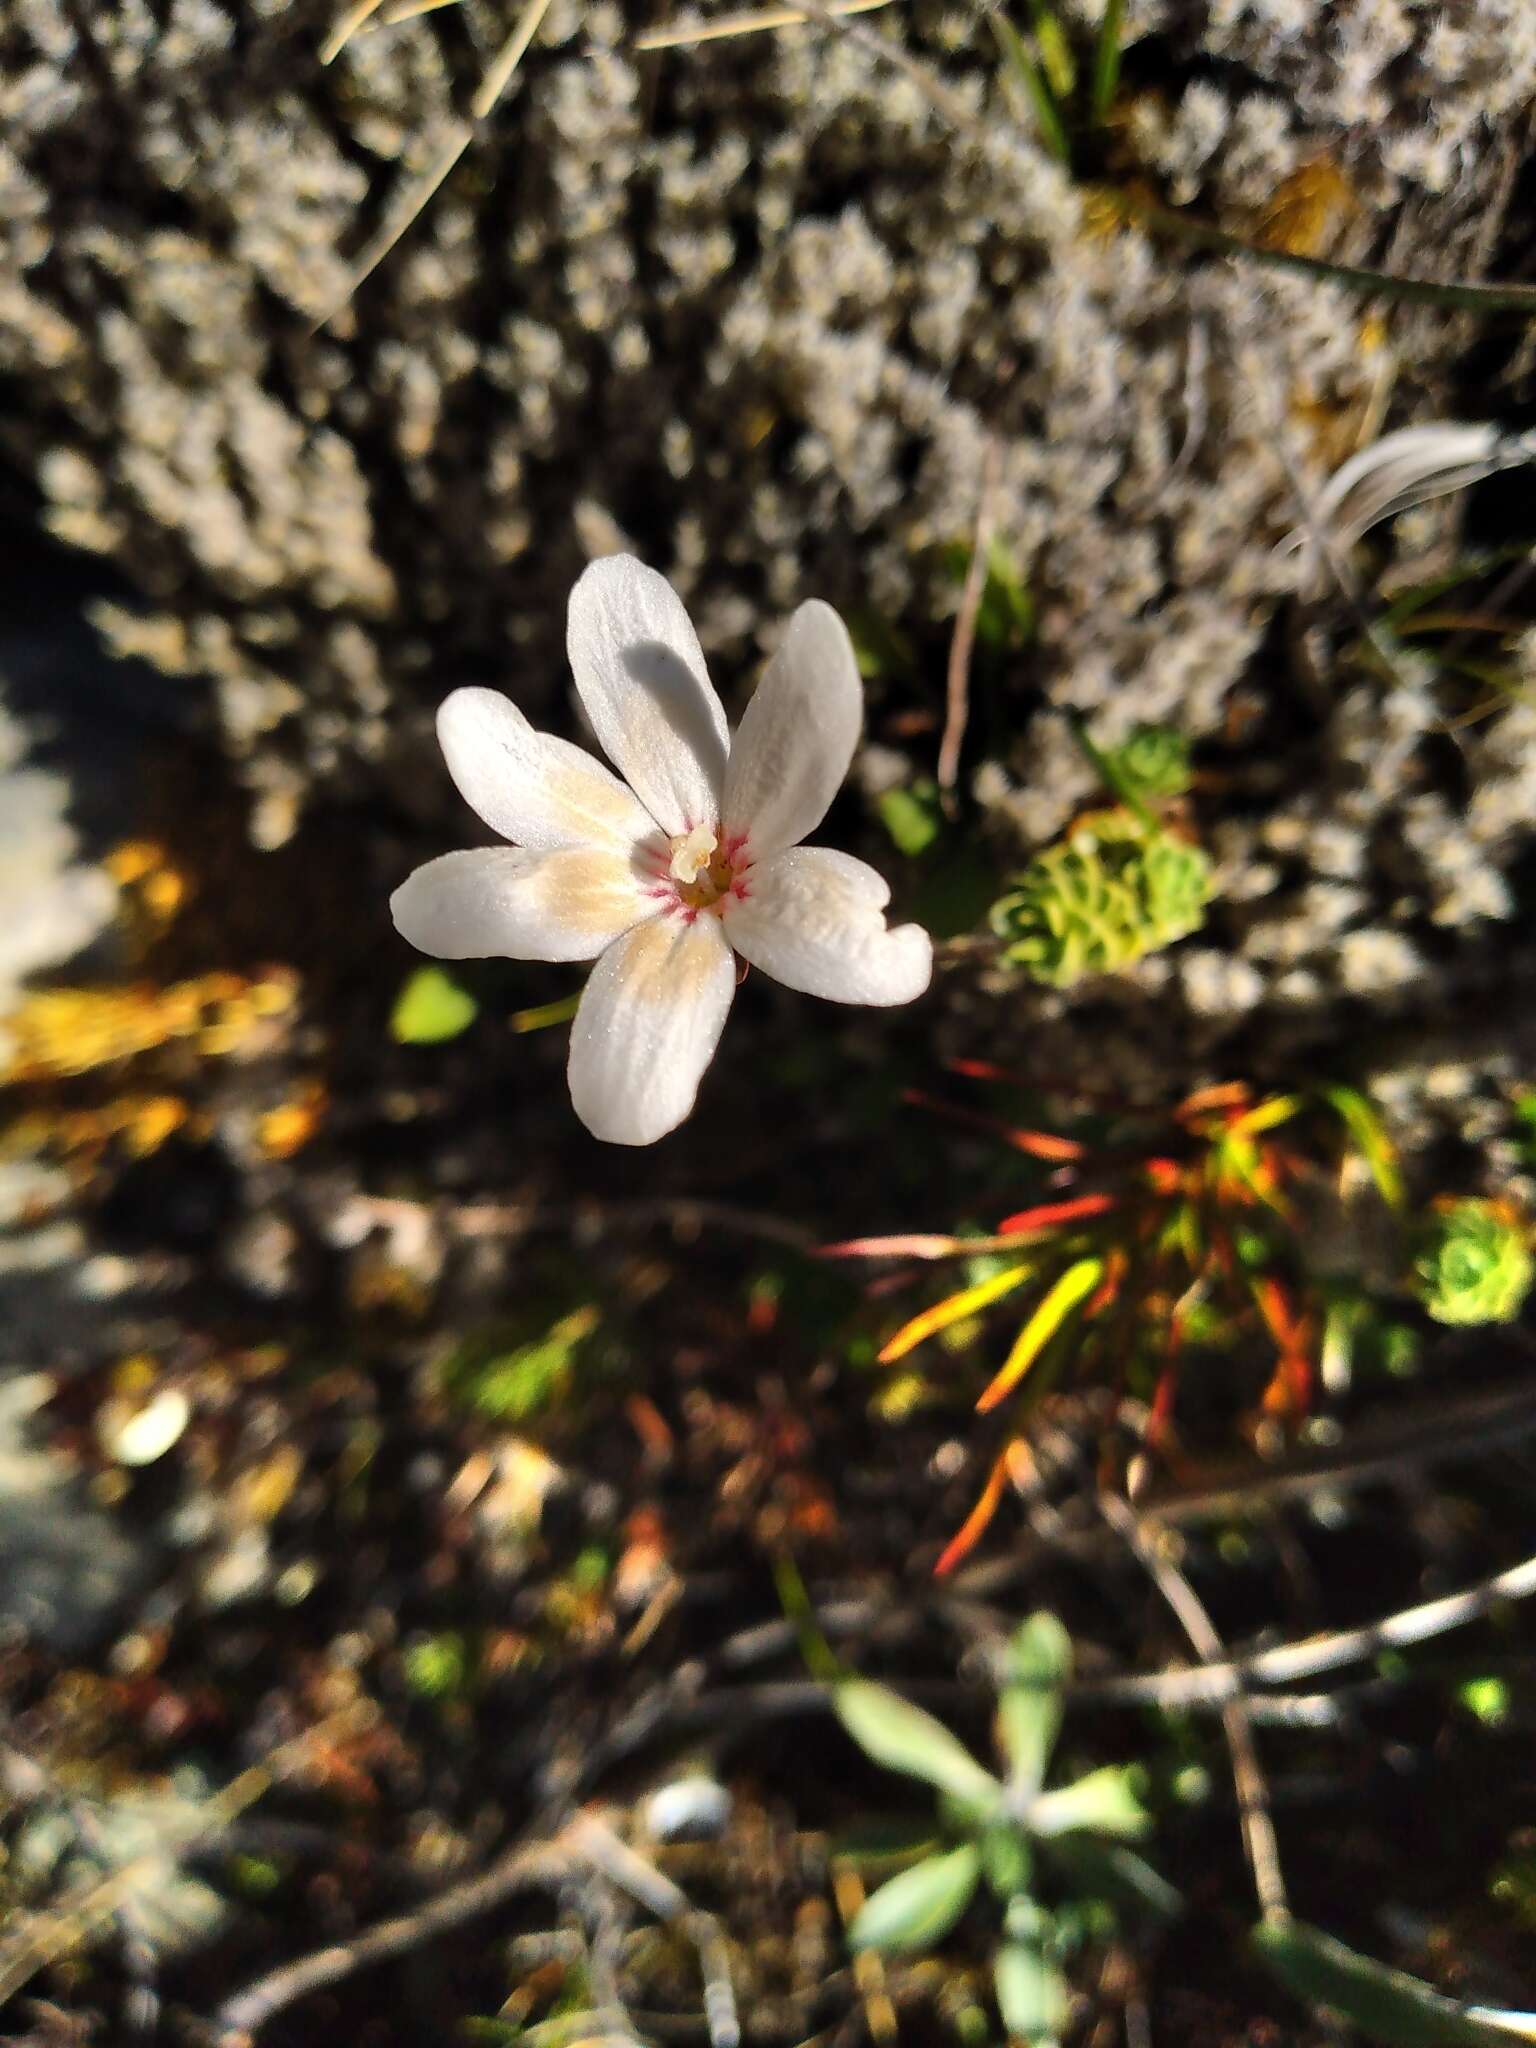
(691, 853)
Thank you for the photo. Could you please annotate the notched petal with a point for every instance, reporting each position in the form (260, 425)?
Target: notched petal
(814, 919)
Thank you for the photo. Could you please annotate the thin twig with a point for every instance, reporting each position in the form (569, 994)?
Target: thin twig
(593, 1839)
(523, 1868)
(963, 641)
(527, 1866)
(684, 1214)
(682, 35)
(1376, 1449)
(1259, 1842)
(85, 1909)
(1215, 1681)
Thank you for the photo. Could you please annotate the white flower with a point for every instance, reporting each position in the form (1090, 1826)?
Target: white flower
(664, 881)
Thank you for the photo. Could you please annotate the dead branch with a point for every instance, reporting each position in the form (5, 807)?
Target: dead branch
(1259, 1842)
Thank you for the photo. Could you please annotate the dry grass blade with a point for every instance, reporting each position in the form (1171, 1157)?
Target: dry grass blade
(492, 86)
(962, 645)
(346, 29)
(373, 255)
(408, 10)
(685, 35)
(507, 59)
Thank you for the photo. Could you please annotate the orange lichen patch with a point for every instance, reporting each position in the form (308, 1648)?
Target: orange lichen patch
(1306, 210)
(60, 1032)
(140, 1123)
(289, 1128)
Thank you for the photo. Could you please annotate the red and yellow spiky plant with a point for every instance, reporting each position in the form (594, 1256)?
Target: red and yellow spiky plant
(1158, 1224)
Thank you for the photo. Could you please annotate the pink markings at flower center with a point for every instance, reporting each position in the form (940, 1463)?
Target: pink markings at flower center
(699, 870)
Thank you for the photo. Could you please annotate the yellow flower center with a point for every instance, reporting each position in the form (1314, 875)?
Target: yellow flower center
(701, 868)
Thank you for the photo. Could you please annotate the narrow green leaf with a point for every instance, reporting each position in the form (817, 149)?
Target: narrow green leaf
(1106, 61)
(1028, 1720)
(880, 1846)
(893, 1732)
(1039, 1660)
(1064, 1295)
(1364, 1125)
(1032, 1994)
(1056, 59)
(1152, 215)
(1103, 1803)
(1026, 74)
(431, 1007)
(1387, 2004)
(917, 1909)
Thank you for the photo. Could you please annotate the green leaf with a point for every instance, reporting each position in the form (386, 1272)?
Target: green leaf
(1006, 1860)
(917, 1909)
(1039, 1659)
(1065, 1294)
(892, 1843)
(1418, 291)
(1056, 59)
(1387, 2004)
(1032, 1994)
(1487, 1698)
(510, 1381)
(1040, 1651)
(911, 818)
(1106, 61)
(1026, 75)
(1364, 1125)
(431, 1007)
(1103, 1803)
(893, 1732)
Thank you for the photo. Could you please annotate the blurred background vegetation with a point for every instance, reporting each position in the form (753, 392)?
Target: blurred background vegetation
(460, 1583)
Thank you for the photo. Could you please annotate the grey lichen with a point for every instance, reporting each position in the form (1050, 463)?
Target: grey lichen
(757, 310)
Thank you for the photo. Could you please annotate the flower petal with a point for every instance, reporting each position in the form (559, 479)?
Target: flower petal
(797, 737)
(506, 902)
(813, 919)
(640, 673)
(648, 1025)
(530, 786)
